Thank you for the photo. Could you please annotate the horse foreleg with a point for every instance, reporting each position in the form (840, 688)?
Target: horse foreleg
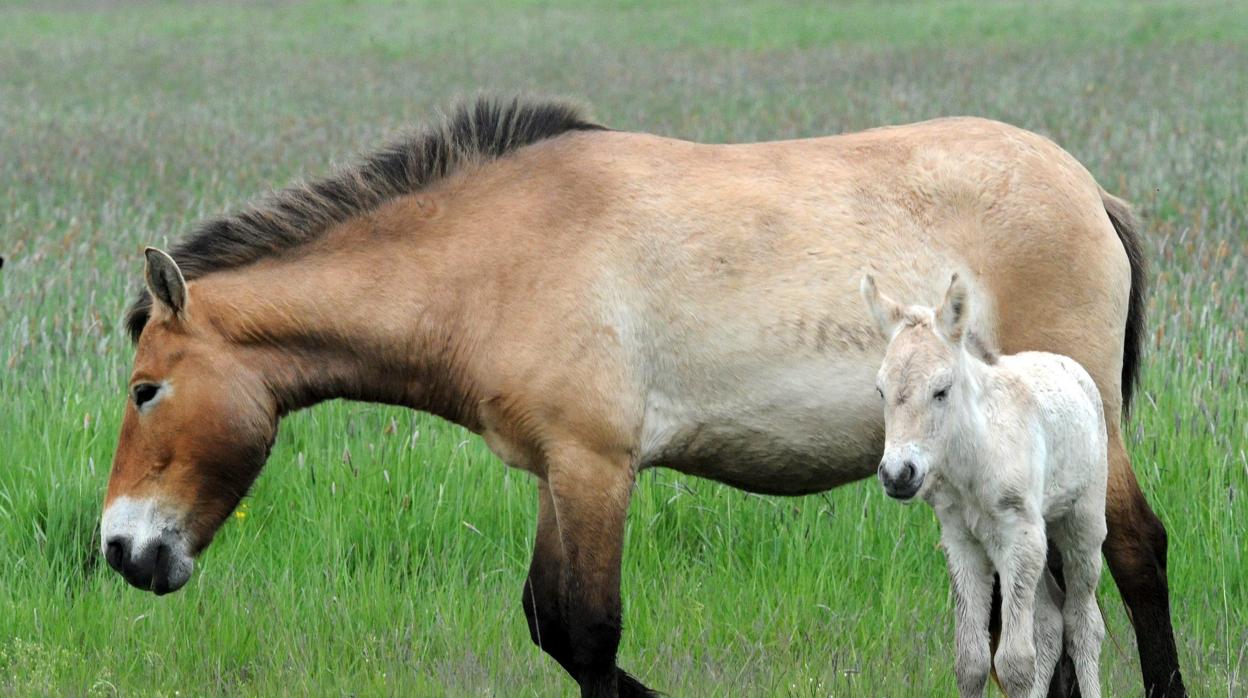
(541, 588)
(589, 493)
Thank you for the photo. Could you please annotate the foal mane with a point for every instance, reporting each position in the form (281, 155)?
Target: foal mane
(479, 131)
(975, 343)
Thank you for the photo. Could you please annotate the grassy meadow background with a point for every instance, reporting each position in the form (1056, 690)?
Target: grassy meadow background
(382, 551)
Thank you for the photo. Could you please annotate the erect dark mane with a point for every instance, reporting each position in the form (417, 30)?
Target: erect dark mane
(480, 131)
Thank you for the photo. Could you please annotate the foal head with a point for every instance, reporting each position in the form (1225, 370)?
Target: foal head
(922, 382)
(198, 425)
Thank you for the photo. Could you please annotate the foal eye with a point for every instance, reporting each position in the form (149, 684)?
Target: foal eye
(881, 392)
(940, 394)
(144, 392)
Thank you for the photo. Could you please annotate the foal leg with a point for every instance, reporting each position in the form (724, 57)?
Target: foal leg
(1063, 684)
(1019, 563)
(590, 494)
(1054, 669)
(1079, 537)
(1135, 548)
(970, 575)
(1048, 632)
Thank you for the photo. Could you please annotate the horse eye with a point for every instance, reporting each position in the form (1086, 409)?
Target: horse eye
(144, 392)
(881, 392)
(941, 394)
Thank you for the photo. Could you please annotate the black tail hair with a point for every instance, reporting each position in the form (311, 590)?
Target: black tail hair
(1133, 345)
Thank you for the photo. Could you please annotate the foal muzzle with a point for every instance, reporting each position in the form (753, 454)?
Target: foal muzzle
(901, 474)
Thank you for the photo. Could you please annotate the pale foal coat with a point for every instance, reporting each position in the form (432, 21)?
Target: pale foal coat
(1003, 449)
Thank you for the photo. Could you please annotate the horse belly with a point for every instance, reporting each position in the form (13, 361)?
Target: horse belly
(795, 429)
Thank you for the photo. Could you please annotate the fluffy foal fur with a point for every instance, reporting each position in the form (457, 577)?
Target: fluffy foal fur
(1000, 447)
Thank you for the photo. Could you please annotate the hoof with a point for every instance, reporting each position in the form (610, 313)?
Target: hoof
(632, 688)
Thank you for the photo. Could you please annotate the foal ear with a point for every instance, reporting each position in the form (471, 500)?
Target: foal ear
(164, 280)
(953, 311)
(885, 310)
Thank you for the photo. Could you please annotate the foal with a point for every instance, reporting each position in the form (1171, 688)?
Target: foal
(1000, 447)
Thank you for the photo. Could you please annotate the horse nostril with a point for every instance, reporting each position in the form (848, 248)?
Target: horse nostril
(117, 552)
(908, 474)
(160, 570)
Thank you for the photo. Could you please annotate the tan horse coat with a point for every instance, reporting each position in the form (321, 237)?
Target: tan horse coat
(599, 302)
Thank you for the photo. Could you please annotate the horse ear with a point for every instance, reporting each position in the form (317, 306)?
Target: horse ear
(885, 310)
(953, 311)
(164, 280)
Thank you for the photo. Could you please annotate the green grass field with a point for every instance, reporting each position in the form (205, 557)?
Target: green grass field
(382, 551)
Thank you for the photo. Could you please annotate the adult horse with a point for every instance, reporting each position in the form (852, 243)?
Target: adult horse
(595, 302)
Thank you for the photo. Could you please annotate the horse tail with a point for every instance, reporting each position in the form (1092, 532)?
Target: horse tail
(1133, 345)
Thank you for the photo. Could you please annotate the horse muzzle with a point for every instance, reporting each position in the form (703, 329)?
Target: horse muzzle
(145, 547)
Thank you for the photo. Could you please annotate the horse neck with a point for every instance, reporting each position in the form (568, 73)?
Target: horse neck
(368, 323)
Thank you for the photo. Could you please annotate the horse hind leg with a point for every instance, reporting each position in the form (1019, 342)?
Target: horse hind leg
(1135, 548)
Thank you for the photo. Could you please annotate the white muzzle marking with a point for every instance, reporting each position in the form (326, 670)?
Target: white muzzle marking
(144, 541)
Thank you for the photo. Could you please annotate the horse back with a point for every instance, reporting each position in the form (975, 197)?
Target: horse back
(705, 296)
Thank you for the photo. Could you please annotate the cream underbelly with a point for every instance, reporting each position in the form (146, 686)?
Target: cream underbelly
(789, 430)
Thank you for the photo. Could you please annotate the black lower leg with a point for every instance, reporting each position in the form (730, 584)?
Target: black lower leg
(1137, 560)
(595, 637)
(546, 627)
(549, 632)
(1064, 683)
(590, 490)
(594, 634)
